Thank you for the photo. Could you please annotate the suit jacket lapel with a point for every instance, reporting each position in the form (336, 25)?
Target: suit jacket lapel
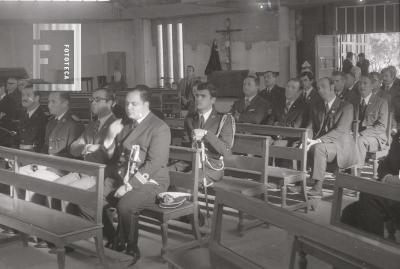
(211, 119)
(133, 134)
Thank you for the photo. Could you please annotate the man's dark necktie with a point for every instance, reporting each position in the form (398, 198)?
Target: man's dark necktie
(246, 103)
(201, 126)
(287, 106)
(361, 113)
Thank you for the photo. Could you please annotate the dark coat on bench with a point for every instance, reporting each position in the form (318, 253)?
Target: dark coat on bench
(335, 127)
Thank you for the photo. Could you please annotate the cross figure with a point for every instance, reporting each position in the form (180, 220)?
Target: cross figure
(227, 33)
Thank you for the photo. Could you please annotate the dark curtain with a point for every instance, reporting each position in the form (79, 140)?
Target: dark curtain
(213, 64)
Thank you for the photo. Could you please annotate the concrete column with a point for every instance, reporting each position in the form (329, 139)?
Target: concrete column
(284, 45)
(145, 65)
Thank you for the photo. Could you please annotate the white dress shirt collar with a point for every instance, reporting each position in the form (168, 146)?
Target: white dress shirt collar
(366, 99)
(330, 103)
(32, 111)
(206, 115)
(61, 116)
(143, 117)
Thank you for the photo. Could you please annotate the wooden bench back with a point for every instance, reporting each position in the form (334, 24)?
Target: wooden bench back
(288, 153)
(185, 181)
(92, 200)
(366, 250)
(363, 185)
(249, 157)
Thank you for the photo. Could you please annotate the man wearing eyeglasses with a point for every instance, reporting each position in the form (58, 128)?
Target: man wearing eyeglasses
(88, 144)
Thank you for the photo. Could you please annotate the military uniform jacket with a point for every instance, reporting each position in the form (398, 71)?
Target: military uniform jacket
(375, 119)
(60, 134)
(8, 107)
(335, 127)
(292, 118)
(32, 130)
(254, 113)
(92, 136)
(153, 136)
(215, 146)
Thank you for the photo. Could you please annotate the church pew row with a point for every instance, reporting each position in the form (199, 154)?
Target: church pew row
(284, 177)
(51, 225)
(335, 245)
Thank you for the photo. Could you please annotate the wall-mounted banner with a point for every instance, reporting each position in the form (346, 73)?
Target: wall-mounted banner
(57, 57)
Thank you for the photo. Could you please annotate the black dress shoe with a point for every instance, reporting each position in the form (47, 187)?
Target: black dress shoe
(134, 252)
(118, 246)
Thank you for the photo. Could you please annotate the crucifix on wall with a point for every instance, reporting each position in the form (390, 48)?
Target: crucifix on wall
(227, 34)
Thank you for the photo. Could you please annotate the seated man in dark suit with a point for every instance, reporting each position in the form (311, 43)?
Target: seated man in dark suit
(252, 108)
(32, 123)
(370, 212)
(339, 79)
(272, 93)
(88, 144)
(212, 128)
(290, 112)
(138, 148)
(330, 130)
(373, 115)
(353, 81)
(310, 94)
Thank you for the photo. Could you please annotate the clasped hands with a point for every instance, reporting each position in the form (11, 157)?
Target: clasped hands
(198, 134)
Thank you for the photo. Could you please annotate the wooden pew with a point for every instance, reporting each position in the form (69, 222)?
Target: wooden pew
(353, 250)
(52, 225)
(337, 256)
(186, 182)
(284, 176)
(362, 185)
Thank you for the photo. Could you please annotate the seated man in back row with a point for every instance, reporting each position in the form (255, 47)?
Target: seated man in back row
(252, 108)
(373, 117)
(330, 130)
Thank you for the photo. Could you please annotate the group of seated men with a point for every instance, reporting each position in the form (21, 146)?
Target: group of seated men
(327, 109)
(131, 183)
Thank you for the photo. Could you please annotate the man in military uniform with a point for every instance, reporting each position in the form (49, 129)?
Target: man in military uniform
(136, 180)
(32, 123)
(63, 129)
(7, 115)
(252, 108)
(212, 128)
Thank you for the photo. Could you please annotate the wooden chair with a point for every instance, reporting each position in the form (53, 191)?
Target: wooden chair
(246, 169)
(51, 225)
(187, 182)
(284, 177)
